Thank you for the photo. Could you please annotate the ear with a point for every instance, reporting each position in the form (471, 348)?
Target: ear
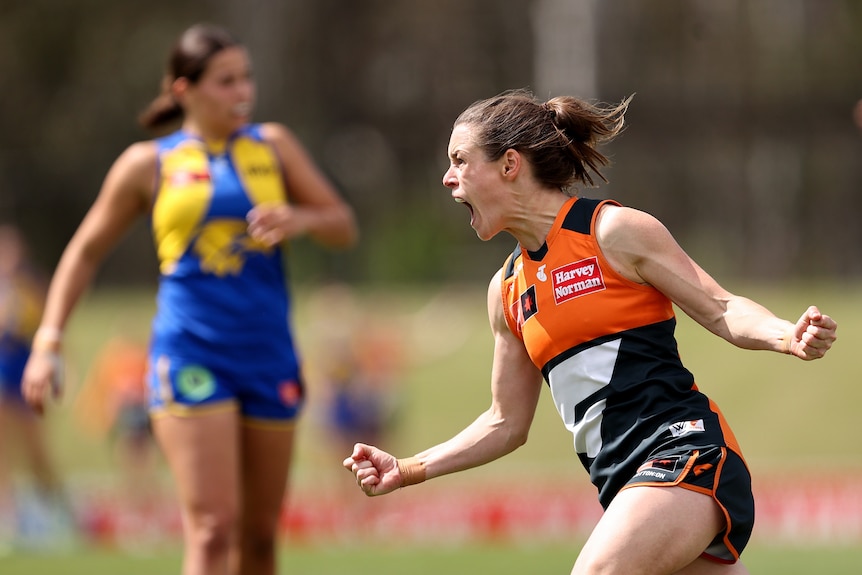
(511, 163)
(179, 88)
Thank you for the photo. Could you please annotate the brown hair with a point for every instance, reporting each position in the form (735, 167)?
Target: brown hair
(559, 137)
(188, 59)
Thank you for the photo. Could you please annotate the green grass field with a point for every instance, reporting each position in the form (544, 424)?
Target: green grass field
(385, 559)
(790, 417)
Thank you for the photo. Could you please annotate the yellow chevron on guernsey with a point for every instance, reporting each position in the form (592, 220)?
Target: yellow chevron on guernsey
(185, 194)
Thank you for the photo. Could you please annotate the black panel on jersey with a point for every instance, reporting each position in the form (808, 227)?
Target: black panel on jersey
(510, 262)
(580, 216)
(539, 254)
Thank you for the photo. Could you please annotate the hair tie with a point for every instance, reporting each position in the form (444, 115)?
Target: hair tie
(550, 110)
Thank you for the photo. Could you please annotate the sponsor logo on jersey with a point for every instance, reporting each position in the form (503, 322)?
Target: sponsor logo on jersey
(577, 279)
(183, 177)
(529, 306)
(540, 274)
(681, 428)
(195, 382)
(260, 170)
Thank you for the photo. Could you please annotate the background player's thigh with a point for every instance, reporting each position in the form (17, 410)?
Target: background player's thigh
(203, 454)
(650, 530)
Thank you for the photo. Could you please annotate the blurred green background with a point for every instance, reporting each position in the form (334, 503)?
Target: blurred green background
(741, 138)
(797, 423)
(741, 135)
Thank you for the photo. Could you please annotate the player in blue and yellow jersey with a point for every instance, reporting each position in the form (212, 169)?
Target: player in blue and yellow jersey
(224, 379)
(40, 519)
(585, 303)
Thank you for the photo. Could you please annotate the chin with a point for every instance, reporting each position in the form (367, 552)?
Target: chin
(484, 236)
(237, 122)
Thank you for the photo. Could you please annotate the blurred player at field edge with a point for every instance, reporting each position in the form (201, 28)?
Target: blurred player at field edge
(47, 512)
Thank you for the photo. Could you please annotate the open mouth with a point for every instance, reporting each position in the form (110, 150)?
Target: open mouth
(469, 207)
(243, 109)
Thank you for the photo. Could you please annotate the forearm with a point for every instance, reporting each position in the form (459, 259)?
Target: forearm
(749, 325)
(333, 226)
(488, 438)
(71, 279)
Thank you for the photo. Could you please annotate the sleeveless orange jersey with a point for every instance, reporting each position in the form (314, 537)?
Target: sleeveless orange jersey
(607, 350)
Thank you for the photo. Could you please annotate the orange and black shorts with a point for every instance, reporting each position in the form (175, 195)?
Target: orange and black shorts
(714, 471)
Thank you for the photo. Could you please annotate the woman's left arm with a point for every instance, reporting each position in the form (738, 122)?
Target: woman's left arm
(642, 249)
(315, 208)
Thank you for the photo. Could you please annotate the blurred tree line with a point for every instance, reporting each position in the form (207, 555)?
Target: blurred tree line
(740, 138)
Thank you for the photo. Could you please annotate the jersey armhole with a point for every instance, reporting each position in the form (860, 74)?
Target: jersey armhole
(508, 277)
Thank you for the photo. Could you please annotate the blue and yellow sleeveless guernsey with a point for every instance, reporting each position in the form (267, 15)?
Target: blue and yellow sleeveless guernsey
(221, 335)
(607, 350)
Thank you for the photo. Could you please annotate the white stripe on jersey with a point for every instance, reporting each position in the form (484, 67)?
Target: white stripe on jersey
(575, 379)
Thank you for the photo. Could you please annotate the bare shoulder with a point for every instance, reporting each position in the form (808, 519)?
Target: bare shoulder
(495, 301)
(139, 157)
(627, 236)
(285, 143)
(615, 221)
(620, 227)
(495, 286)
(277, 134)
(136, 165)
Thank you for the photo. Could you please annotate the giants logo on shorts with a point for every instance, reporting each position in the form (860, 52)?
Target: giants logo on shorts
(577, 279)
(669, 464)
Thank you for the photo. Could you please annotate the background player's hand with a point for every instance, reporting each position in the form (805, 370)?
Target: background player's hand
(43, 378)
(272, 224)
(813, 335)
(376, 471)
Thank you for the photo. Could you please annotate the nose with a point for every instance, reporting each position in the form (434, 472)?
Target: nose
(449, 179)
(246, 89)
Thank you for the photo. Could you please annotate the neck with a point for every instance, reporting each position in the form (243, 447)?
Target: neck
(534, 217)
(211, 136)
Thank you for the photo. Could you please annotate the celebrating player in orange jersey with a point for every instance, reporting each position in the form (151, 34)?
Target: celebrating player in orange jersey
(585, 304)
(225, 382)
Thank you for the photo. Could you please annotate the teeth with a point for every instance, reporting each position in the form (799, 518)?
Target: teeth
(242, 108)
(460, 201)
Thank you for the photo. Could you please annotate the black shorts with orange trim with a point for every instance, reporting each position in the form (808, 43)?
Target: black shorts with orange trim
(714, 471)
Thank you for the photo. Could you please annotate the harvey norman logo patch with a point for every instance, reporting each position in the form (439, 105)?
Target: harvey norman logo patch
(577, 279)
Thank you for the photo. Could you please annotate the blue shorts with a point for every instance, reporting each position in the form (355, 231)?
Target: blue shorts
(182, 387)
(714, 471)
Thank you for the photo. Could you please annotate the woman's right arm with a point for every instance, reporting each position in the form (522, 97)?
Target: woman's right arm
(125, 195)
(515, 388)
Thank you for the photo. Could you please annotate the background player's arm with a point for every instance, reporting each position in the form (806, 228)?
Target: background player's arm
(314, 208)
(125, 194)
